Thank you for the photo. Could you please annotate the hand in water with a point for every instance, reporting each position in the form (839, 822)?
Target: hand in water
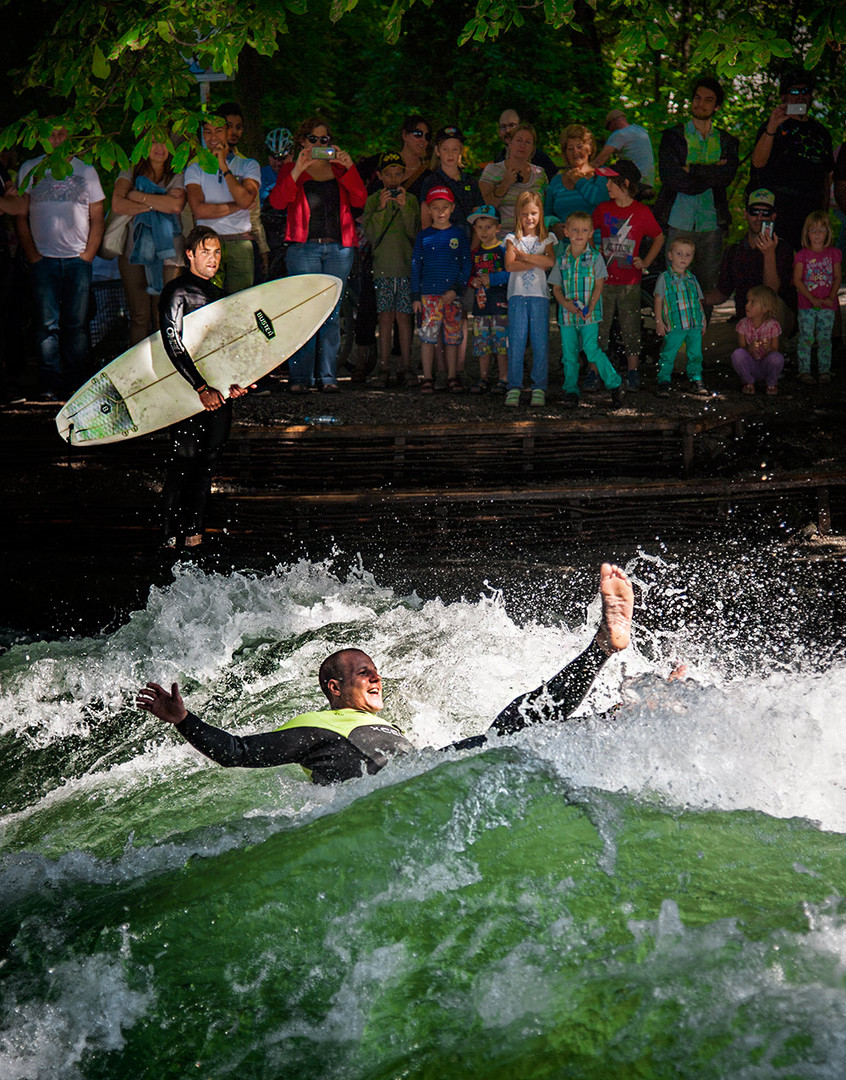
(166, 706)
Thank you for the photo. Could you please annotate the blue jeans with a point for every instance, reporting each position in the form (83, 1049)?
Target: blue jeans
(528, 317)
(61, 289)
(314, 258)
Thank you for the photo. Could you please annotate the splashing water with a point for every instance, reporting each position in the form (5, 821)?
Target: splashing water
(654, 894)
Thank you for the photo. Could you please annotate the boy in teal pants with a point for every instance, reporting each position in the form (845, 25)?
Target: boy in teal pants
(679, 317)
(577, 279)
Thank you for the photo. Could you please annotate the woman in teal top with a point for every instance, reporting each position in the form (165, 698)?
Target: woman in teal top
(578, 186)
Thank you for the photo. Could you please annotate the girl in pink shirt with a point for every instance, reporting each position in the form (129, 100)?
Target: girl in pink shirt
(757, 358)
(816, 275)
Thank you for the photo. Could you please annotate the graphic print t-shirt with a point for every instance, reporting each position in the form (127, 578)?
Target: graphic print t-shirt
(817, 272)
(622, 228)
(58, 209)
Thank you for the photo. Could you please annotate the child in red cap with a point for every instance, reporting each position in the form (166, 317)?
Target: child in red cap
(440, 269)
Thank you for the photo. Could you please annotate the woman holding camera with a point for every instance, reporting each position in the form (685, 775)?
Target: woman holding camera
(503, 182)
(319, 189)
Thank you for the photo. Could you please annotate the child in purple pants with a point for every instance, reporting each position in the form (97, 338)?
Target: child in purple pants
(757, 359)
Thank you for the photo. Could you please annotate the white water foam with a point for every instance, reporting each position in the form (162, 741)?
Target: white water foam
(88, 1006)
(253, 643)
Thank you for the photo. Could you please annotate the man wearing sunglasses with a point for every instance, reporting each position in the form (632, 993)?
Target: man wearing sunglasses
(760, 258)
(793, 157)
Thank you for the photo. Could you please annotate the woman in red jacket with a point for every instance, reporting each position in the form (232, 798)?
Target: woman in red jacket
(318, 190)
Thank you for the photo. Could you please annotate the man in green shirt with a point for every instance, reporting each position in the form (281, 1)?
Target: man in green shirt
(696, 162)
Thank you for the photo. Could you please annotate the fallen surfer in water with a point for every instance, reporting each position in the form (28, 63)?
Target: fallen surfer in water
(349, 739)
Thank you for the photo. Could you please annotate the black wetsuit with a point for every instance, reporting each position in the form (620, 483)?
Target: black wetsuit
(329, 756)
(196, 442)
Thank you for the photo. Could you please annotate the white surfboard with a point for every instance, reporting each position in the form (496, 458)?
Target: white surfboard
(236, 340)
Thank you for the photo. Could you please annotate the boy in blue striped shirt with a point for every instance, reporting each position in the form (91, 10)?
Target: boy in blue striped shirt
(679, 316)
(440, 269)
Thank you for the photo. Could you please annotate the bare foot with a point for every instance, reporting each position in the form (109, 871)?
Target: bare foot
(617, 606)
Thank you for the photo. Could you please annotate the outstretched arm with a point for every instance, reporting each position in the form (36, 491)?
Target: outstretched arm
(244, 751)
(562, 695)
(556, 699)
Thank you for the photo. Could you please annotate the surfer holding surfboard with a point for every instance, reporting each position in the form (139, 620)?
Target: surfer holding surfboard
(196, 442)
(349, 739)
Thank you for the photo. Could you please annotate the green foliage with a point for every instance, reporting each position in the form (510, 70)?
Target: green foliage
(115, 72)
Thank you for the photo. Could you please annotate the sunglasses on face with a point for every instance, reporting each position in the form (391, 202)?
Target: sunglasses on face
(324, 140)
(798, 91)
(765, 214)
(421, 134)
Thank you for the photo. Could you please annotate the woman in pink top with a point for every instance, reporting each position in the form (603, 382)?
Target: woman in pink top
(756, 358)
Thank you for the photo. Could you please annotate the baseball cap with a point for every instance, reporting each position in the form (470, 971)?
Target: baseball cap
(439, 192)
(760, 197)
(615, 114)
(625, 169)
(451, 132)
(390, 157)
(796, 77)
(486, 210)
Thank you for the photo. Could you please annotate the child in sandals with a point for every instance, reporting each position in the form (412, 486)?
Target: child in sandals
(757, 356)
(490, 304)
(440, 270)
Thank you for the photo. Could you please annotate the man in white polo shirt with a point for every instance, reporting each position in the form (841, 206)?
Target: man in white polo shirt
(222, 200)
(59, 235)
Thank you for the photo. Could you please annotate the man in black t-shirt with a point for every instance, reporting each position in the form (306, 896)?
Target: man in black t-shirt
(793, 158)
(760, 258)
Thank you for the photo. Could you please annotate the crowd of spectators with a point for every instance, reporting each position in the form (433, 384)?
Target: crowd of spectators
(417, 235)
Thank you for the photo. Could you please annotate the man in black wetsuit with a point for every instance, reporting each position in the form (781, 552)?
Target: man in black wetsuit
(196, 442)
(348, 739)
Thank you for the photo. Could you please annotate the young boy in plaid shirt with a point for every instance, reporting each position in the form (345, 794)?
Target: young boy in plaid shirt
(679, 316)
(577, 279)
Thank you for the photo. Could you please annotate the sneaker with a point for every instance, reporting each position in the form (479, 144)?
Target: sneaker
(512, 399)
(807, 378)
(748, 388)
(696, 386)
(616, 397)
(825, 377)
(591, 383)
(633, 380)
(538, 399)
(663, 389)
(571, 401)
(772, 391)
